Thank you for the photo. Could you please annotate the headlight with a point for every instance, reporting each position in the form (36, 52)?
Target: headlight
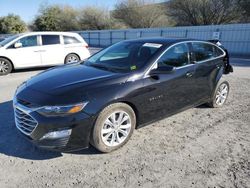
(61, 110)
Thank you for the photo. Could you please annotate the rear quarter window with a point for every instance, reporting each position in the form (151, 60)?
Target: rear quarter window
(218, 51)
(50, 39)
(70, 40)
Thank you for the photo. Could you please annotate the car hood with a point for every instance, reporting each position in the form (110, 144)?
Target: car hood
(68, 79)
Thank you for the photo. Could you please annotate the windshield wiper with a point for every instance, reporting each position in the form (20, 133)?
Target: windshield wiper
(109, 68)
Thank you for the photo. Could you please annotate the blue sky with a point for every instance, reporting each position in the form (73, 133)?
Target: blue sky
(27, 9)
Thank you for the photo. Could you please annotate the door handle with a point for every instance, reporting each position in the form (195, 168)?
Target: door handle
(193, 62)
(40, 51)
(189, 74)
(218, 66)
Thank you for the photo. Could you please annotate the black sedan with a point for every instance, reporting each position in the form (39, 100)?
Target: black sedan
(128, 85)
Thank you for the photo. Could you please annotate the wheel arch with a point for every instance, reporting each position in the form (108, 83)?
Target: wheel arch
(130, 104)
(135, 109)
(71, 53)
(218, 77)
(9, 61)
(221, 81)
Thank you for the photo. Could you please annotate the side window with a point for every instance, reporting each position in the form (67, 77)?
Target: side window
(28, 41)
(176, 56)
(50, 39)
(218, 52)
(204, 51)
(70, 40)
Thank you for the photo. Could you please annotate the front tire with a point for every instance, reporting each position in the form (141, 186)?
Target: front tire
(220, 95)
(5, 66)
(114, 127)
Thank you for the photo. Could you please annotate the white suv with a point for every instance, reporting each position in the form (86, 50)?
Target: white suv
(38, 49)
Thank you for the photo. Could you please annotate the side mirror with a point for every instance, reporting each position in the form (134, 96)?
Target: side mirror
(162, 70)
(18, 45)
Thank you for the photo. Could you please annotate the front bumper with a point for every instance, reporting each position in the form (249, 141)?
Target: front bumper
(80, 125)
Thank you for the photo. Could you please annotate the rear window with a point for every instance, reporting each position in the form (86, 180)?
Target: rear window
(50, 39)
(70, 40)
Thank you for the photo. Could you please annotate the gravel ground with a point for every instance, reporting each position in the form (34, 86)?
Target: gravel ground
(201, 147)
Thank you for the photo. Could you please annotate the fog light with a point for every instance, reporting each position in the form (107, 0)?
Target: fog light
(57, 134)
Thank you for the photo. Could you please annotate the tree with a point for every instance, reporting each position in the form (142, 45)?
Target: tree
(56, 18)
(204, 12)
(140, 14)
(245, 7)
(69, 19)
(47, 20)
(96, 18)
(66, 18)
(12, 24)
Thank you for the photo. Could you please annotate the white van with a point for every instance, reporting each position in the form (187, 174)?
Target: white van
(38, 49)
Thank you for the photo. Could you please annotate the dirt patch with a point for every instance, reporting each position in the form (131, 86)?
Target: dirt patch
(201, 147)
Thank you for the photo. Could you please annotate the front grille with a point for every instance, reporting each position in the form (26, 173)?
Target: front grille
(24, 122)
(25, 103)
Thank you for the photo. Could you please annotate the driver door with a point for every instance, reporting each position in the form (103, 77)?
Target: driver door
(168, 93)
(27, 55)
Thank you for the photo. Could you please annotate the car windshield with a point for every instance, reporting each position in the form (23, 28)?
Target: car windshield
(9, 39)
(124, 56)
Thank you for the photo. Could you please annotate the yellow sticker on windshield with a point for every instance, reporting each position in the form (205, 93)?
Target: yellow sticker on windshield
(133, 67)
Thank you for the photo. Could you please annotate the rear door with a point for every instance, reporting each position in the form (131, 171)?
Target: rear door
(171, 92)
(52, 51)
(208, 63)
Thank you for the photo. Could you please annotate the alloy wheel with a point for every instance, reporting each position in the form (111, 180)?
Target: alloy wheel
(4, 67)
(116, 128)
(221, 94)
(72, 59)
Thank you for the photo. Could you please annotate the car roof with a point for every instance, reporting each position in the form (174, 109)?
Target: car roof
(163, 40)
(49, 33)
(72, 34)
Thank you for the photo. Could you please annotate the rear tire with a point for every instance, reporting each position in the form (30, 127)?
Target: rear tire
(71, 58)
(5, 66)
(114, 127)
(220, 94)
